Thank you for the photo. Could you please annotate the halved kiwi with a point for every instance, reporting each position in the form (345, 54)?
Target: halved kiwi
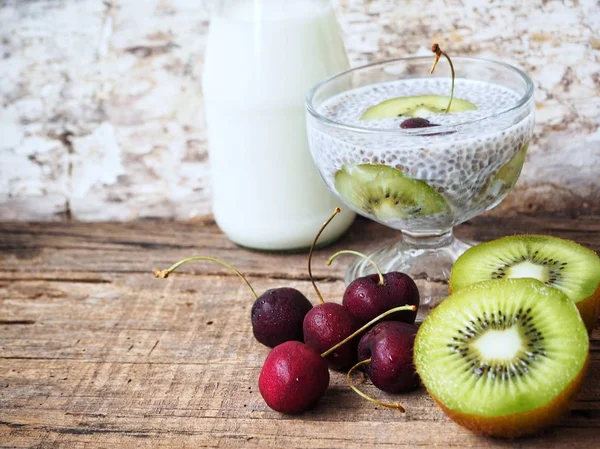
(559, 263)
(504, 357)
(416, 106)
(385, 193)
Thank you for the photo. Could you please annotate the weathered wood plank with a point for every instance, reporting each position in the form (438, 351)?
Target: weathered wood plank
(95, 352)
(51, 248)
(253, 433)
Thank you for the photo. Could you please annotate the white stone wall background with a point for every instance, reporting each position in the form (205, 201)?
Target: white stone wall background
(102, 116)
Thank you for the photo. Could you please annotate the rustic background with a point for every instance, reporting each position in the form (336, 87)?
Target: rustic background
(102, 110)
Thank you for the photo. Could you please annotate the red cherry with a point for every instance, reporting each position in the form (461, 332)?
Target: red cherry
(293, 378)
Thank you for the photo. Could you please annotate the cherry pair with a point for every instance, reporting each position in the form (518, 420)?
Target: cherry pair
(364, 299)
(295, 376)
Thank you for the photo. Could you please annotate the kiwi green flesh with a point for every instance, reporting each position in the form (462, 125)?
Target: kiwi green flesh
(506, 177)
(509, 172)
(501, 347)
(416, 106)
(560, 263)
(383, 192)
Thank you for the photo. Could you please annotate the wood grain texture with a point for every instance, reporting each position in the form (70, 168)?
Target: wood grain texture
(102, 111)
(96, 353)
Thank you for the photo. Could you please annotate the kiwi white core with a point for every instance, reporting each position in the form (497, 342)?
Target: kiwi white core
(528, 269)
(499, 345)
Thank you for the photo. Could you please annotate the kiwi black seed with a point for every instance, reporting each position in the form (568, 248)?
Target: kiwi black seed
(415, 106)
(534, 347)
(554, 267)
(383, 192)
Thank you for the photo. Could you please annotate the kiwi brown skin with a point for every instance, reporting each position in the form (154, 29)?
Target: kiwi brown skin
(519, 424)
(589, 308)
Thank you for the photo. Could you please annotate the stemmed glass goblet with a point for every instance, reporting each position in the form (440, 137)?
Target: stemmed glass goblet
(422, 181)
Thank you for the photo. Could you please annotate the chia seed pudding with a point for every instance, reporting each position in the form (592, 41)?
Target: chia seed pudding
(472, 160)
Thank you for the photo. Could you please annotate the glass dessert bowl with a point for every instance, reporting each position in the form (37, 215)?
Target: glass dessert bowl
(392, 142)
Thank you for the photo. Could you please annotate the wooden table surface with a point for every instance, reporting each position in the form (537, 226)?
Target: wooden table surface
(95, 352)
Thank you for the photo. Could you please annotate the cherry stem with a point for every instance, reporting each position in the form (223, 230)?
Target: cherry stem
(366, 396)
(366, 326)
(439, 53)
(312, 250)
(163, 274)
(356, 253)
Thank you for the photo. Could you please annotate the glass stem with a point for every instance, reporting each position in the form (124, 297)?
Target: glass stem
(428, 240)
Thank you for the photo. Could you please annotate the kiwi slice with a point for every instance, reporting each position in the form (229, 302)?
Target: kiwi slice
(559, 263)
(505, 178)
(509, 172)
(416, 106)
(503, 357)
(385, 193)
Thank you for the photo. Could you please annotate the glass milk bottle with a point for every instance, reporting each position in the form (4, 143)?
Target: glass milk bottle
(262, 57)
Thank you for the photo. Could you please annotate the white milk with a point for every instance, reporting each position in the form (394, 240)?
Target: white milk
(262, 57)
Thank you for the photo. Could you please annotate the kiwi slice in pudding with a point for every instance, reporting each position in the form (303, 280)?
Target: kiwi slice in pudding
(559, 263)
(385, 193)
(505, 178)
(416, 106)
(421, 105)
(509, 172)
(504, 357)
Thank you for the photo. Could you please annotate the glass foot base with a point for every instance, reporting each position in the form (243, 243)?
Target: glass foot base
(427, 260)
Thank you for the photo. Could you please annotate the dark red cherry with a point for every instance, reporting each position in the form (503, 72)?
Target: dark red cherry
(416, 122)
(390, 345)
(325, 326)
(277, 316)
(366, 297)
